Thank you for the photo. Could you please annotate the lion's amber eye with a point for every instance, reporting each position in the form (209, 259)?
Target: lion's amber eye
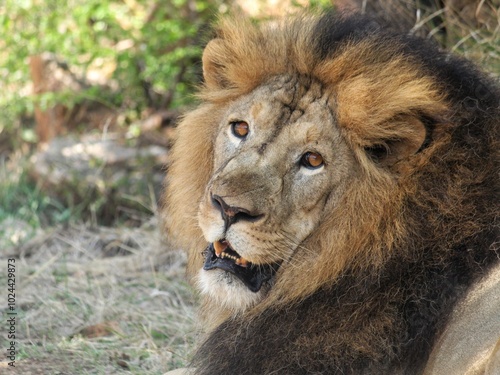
(240, 129)
(311, 160)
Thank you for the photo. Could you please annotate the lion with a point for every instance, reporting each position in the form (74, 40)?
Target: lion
(336, 190)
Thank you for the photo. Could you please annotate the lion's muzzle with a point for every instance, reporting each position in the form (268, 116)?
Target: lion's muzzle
(220, 255)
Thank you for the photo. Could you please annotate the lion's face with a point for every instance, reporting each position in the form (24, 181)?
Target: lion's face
(276, 173)
(295, 165)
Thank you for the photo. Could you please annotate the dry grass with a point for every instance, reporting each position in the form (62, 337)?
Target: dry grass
(477, 40)
(122, 285)
(470, 28)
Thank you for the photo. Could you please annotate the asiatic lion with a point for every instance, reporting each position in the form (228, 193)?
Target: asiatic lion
(337, 192)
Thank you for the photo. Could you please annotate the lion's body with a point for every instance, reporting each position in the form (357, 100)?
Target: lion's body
(470, 343)
(346, 179)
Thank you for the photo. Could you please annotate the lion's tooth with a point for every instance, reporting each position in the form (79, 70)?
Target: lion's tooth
(242, 262)
(219, 247)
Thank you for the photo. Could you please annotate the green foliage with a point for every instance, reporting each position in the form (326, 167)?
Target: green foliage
(314, 4)
(152, 46)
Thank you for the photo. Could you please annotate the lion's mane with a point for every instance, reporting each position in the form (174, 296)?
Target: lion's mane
(410, 239)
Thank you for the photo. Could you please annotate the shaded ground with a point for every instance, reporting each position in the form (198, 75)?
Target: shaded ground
(100, 301)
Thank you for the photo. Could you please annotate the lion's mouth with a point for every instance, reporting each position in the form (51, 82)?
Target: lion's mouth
(220, 255)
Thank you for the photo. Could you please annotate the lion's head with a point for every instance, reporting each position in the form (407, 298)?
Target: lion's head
(304, 156)
(277, 173)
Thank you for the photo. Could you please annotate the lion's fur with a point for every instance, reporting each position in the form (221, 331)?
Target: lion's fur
(475, 324)
(408, 238)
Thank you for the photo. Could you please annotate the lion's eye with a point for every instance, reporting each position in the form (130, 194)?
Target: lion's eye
(240, 129)
(311, 160)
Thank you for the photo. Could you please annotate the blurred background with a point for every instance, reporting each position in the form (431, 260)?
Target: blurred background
(90, 94)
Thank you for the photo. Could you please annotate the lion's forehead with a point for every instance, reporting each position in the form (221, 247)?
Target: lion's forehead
(287, 110)
(294, 94)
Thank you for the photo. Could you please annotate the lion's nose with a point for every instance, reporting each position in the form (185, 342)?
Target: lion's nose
(231, 214)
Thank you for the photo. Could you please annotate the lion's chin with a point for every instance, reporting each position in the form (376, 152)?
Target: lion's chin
(224, 290)
(220, 255)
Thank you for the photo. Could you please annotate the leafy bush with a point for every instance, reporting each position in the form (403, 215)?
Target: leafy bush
(152, 48)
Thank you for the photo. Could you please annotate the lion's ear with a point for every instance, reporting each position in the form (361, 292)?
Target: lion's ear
(405, 136)
(213, 64)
